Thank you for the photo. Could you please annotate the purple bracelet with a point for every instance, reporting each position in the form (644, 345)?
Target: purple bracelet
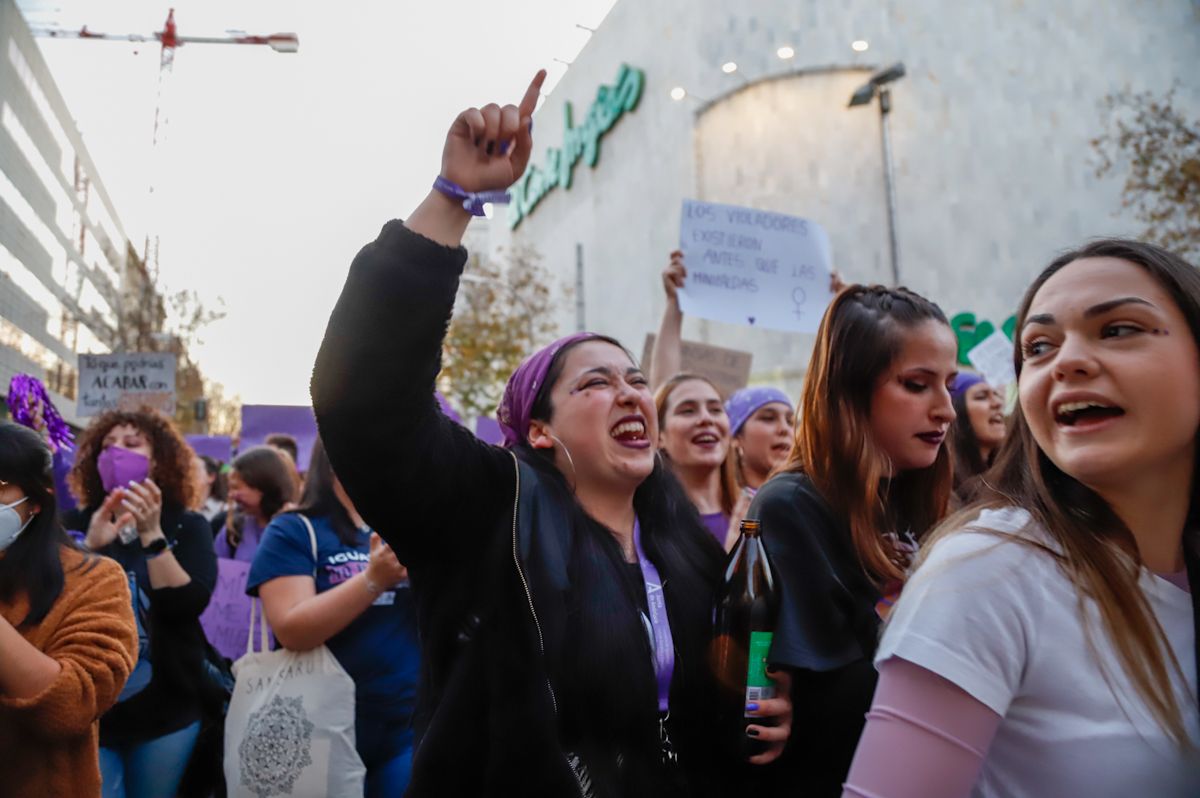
(472, 201)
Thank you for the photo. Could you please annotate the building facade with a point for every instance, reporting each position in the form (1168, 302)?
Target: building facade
(63, 252)
(991, 130)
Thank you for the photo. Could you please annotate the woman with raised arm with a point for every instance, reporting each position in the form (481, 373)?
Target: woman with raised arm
(564, 587)
(1046, 645)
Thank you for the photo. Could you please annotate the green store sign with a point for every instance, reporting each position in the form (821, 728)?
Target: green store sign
(581, 142)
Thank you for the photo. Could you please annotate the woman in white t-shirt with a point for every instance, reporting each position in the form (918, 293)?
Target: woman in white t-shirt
(1046, 645)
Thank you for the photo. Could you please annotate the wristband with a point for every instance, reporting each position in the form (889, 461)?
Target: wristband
(472, 201)
(372, 588)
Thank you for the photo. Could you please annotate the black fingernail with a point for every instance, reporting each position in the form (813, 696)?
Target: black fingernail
(491, 146)
(751, 732)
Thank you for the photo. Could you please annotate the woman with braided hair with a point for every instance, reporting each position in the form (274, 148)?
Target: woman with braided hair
(867, 477)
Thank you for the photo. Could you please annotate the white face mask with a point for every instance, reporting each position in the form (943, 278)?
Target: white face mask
(10, 523)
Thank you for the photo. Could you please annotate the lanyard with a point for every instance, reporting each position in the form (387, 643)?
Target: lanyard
(661, 642)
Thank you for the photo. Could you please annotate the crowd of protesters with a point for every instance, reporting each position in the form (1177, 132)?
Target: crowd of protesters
(981, 594)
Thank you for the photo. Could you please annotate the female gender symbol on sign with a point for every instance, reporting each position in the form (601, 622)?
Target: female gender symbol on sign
(798, 296)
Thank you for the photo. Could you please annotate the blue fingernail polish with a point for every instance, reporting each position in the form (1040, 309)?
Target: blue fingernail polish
(752, 707)
(504, 148)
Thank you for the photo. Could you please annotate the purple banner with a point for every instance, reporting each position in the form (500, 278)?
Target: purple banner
(487, 429)
(218, 447)
(226, 620)
(259, 421)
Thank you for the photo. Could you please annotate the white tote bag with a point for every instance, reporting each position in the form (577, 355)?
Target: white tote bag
(290, 726)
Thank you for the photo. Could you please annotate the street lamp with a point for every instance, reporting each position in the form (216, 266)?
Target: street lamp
(879, 84)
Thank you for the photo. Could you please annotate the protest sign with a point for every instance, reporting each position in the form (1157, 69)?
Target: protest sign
(487, 429)
(218, 447)
(753, 267)
(126, 380)
(226, 620)
(993, 358)
(729, 369)
(259, 421)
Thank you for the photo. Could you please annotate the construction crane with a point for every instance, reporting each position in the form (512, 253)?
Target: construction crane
(170, 39)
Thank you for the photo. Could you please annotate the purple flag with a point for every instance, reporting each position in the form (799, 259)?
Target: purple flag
(259, 421)
(218, 447)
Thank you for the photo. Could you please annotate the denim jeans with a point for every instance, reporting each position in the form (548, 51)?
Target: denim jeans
(385, 747)
(148, 769)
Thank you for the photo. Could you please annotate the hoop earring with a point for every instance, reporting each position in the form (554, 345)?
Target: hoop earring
(567, 452)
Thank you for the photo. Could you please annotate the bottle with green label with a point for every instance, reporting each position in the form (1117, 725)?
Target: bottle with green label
(747, 606)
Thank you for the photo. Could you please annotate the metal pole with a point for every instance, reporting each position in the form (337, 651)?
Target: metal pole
(889, 185)
(580, 321)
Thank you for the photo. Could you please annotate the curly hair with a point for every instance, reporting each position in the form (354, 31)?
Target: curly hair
(171, 465)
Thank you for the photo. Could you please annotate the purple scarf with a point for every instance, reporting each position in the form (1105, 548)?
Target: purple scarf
(523, 385)
(747, 401)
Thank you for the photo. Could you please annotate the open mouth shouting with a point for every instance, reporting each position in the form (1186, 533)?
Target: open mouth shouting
(1085, 413)
(631, 432)
(706, 439)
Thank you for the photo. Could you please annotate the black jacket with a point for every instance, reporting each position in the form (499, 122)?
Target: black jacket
(482, 535)
(172, 699)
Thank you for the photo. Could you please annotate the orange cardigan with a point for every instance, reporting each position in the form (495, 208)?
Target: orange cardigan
(50, 741)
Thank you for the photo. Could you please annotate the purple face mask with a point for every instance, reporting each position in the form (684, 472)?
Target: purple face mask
(118, 467)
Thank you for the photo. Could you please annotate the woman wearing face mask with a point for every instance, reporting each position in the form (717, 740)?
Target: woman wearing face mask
(1046, 645)
(868, 476)
(979, 429)
(67, 634)
(762, 423)
(564, 584)
(262, 481)
(694, 439)
(133, 477)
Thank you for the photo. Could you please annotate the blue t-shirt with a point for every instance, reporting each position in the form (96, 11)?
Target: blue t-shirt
(379, 649)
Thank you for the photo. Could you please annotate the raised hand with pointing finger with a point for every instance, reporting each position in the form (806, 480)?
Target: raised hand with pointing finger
(486, 150)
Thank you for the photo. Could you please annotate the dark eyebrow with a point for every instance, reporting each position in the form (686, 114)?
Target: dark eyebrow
(1093, 311)
(1113, 304)
(607, 372)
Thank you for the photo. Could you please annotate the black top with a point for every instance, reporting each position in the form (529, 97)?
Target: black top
(490, 562)
(827, 632)
(171, 700)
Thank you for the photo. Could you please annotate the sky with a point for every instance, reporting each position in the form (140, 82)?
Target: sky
(277, 168)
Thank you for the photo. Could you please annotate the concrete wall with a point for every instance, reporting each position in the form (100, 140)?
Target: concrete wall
(991, 132)
(62, 247)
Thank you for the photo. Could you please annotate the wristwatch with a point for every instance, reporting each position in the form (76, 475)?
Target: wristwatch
(156, 547)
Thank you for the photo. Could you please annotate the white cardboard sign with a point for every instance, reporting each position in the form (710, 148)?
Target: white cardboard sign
(993, 358)
(126, 380)
(754, 268)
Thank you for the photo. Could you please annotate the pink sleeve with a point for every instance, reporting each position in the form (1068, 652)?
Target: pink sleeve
(925, 737)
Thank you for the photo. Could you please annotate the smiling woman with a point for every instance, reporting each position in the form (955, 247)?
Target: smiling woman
(1074, 568)
(564, 583)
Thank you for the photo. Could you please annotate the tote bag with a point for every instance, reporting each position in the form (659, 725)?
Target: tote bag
(290, 727)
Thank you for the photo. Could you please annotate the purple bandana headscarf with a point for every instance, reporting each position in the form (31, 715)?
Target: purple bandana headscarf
(747, 401)
(523, 386)
(963, 382)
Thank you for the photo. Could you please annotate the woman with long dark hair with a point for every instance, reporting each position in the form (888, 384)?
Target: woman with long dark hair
(67, 634)
(134, 478)
(868, 476)
(1046, 643)
(564, 583)
(262, 482)
(979, 429)
(353, 597)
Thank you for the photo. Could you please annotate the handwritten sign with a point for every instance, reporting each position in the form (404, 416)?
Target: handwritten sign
(126, 380)
(226, 620)
(729, 369)
(993, 358)
(753, 267)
